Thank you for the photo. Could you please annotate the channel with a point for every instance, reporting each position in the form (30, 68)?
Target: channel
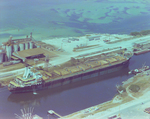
(69, 98)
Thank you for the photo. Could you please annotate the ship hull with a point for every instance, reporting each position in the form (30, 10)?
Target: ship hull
(84, 75)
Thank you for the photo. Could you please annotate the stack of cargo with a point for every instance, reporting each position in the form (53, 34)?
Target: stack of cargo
(48, 74)
(120, 58)
(111, 60)
(102, 62)
(73, 69)
(61, 72)
(83, 67)
(93, 64)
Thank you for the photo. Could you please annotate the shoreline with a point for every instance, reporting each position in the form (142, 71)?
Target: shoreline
(84, 47)
(131, 100)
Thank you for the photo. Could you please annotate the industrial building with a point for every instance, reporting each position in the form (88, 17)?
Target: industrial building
(19, 50)
(29, 54)
(7, 49)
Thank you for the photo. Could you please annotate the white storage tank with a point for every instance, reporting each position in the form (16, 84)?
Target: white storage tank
(1, 55)
(26, 45)
(15, 47)
(31, 45)
(9, 51)
(21, 45)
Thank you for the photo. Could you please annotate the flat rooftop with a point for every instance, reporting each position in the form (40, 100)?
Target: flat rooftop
(32, 52)
(29, 52)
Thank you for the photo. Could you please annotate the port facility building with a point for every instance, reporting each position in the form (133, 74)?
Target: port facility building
(31, 53)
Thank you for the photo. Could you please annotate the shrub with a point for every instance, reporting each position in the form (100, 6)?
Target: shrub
(134, 88)
(145, 32)
(135, 33)
(120, 88)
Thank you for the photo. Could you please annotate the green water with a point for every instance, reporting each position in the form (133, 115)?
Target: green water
(63, 18)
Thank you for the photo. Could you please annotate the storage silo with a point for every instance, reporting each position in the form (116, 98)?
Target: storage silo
(31, 45)
(1, 55)
(15, 47)
(9, 51)
(21, 45)
(26, 45)
(4, 45)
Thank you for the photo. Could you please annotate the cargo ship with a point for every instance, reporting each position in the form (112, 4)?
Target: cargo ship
(33, 79)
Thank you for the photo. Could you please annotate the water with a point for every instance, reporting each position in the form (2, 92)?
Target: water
(70, 98)
(61, 18)
(48, 18)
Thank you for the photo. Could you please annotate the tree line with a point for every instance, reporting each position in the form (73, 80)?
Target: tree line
(141, 33)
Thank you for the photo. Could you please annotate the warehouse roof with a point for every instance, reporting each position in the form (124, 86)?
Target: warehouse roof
(29, 52)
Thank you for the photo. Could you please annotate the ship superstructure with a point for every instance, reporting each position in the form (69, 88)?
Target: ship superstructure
(30, 78)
